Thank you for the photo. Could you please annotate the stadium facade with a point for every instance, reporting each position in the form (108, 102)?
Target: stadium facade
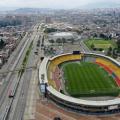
(51, 88)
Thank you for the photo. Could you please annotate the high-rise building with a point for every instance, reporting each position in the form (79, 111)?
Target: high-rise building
(48, 20)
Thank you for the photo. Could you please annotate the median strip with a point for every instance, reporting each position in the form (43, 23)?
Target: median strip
(25, 60)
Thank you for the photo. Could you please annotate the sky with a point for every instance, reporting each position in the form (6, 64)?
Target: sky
(48, 3)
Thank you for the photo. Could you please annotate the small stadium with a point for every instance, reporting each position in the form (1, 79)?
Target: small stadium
(86, 83)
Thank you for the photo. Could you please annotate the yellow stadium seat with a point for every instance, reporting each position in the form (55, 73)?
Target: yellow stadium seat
(109, 64)
(54, 63)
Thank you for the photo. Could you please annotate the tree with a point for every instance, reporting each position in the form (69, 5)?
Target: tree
(118, 43)
(110, 37)
(100, 49)
(72, 40)
(92, 46)
(57, 118)
(109, 52)
(115, 53)
(63, 40)
(49, 30)
(2, 43)
(58, 40)
(79, 31)
(51, 41)
(104, 36)
(95, 35)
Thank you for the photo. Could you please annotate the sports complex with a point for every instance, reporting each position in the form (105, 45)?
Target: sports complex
(69, 80)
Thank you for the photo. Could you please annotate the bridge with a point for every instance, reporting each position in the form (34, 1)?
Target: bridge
(18, 69)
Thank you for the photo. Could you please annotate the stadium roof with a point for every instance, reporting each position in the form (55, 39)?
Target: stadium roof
(42, 70)
(63, 34)
(81, 101)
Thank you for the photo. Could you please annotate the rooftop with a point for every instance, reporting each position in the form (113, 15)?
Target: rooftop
(63, 34)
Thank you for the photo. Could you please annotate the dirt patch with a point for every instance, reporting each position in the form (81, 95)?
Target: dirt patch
(47, 111)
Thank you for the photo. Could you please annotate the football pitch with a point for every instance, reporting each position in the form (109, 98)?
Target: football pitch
(84, 79)
(100, 43)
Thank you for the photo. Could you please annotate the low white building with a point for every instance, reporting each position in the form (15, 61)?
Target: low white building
(63, 35)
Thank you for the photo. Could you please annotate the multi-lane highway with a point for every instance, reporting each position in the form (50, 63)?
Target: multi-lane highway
(20, 99)
(17, 103)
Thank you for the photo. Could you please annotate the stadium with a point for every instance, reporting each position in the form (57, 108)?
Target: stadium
(75, 80)
(63, 35)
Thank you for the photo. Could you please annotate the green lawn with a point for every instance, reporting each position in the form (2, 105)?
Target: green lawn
(100, 43)
(88, 79)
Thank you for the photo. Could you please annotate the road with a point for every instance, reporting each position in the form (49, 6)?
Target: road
(19, 101)
(4, 99)
(10, 65)
(83, 47)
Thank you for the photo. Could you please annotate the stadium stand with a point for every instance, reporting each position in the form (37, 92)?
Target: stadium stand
(110, 68)
(105, 67)
(110, 65)
(89, 59)
(52, 83)
(65, 58)
(54, 70)
(56, 77)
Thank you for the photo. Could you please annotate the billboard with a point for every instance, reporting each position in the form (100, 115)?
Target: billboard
(42, 88)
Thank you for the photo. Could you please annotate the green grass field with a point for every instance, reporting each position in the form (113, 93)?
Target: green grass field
(100, 43)
(88, 79)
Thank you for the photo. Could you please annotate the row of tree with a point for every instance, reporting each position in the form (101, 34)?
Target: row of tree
(114, 52)
(104, 36)
(49, 30)
(62, 40)
(118, 43)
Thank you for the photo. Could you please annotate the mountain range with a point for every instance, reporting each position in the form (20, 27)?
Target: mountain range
(96, 5)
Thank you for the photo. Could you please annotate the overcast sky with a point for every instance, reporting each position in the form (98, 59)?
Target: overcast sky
(48, 3)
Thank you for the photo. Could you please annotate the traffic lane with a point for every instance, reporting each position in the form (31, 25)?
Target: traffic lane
(7, 99)
(20, 107)
(10, 62)
(8, 79)
(19, 112)
(23, 92)
(10, 66)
